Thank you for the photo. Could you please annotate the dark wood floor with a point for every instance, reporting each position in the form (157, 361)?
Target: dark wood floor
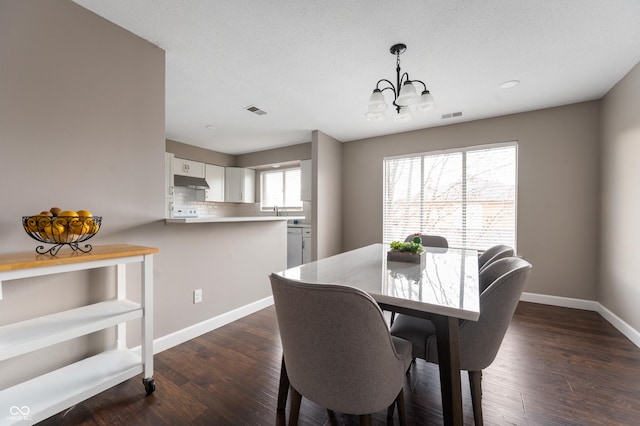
(556, 366)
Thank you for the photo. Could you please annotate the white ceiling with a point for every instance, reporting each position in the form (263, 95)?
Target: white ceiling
(312, 64)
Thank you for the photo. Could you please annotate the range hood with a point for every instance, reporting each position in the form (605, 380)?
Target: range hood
(190, 182)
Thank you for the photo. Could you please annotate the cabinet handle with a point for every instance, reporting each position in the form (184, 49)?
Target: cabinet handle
(171, 190)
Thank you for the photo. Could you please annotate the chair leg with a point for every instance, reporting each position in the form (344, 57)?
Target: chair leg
(283, 390)
(296, 399)
(365, 420)
(402, 414)
(475, 380)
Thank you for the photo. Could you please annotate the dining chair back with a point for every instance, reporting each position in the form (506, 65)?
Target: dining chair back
(337, 349)
(494, 253)
(430, 240)
(479, 340)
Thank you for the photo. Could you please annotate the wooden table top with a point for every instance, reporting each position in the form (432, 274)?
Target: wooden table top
(25, 260)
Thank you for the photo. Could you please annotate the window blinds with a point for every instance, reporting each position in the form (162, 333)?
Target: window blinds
(280, 188)
(466, 196)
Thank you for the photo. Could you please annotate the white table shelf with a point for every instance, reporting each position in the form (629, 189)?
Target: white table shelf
(43, 396)
(30, 335)
(40, 398)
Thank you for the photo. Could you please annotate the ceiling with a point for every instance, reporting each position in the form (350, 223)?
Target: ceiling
(312, 64)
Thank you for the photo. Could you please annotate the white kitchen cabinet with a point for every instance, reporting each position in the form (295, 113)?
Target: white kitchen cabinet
(306, 245)
(188, 168)
(239, 185)
(41, 397)
(305, 180)
(214, 176)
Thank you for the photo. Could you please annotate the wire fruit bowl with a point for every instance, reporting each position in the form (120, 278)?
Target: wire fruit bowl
(61, 231)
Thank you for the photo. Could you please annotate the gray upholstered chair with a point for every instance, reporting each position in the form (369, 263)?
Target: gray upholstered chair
(337, 349)
(480, 340)
(430, 240)
(494, 253)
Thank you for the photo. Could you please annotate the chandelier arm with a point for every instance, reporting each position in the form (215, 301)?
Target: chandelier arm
(405, 77)
(391, 86)
(418, 81)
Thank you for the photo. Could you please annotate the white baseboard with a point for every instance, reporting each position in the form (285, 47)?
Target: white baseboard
(170, 340)
(565, 302)
(624, 328)
(587, 305)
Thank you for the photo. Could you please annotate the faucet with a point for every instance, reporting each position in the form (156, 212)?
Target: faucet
(275, 209)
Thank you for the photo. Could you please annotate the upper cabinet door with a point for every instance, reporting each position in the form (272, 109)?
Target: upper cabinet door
(215, 179)
(239, 185)
(188, 168)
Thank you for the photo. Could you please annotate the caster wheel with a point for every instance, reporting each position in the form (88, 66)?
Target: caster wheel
(149, 385)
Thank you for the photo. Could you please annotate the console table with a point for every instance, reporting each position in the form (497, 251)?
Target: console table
(41, 397)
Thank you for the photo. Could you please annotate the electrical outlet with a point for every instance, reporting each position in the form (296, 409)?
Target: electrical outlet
(197, 296)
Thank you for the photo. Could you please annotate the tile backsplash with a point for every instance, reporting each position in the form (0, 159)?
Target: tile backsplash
(188, 197)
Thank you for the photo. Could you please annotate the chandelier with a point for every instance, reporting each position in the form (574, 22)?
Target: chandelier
(404, 94)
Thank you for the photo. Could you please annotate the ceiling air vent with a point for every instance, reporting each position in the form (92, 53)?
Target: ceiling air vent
(254, 109)
(452, 115)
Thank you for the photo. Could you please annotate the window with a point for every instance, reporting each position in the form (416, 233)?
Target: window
(280, 188)
(467, 196)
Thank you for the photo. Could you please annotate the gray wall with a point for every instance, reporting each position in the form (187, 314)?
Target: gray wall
(619, 285)
(293, 153)
(190, 152)
(82, 126)
(327, 187)
(558, 180)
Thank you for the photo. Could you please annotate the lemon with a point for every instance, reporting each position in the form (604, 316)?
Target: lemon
(84, 213)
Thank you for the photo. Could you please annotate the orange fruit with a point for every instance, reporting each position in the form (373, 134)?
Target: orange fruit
(84, 213)
(69, 213)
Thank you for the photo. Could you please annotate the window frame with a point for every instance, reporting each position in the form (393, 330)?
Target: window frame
(464, 151)
(283, 208)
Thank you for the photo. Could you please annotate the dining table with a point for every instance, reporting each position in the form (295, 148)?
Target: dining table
(443, 287)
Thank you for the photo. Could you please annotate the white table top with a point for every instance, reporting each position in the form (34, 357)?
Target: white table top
(447, 284)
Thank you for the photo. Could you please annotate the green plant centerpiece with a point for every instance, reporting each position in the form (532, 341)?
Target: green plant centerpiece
(410, 247)
(406, 251)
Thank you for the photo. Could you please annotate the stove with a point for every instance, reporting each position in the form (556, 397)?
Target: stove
(185, 212)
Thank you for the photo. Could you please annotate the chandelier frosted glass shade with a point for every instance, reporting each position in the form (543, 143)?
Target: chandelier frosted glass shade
(376, 116)
(425, 103)
(403, 115)
(408, 95)
(377, 102)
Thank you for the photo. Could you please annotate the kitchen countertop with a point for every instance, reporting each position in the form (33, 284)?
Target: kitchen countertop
(233, 219)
